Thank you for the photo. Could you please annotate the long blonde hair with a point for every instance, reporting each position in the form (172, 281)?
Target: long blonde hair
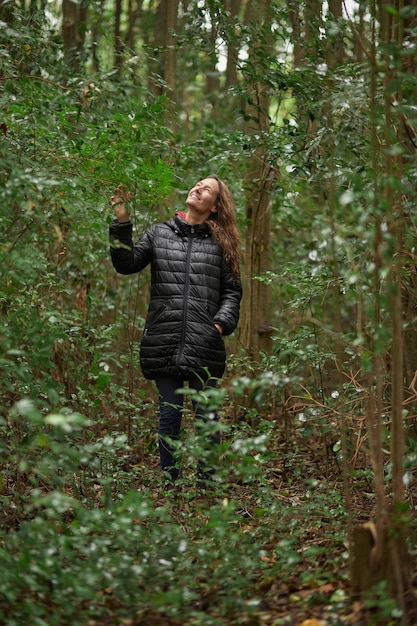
(223, 226)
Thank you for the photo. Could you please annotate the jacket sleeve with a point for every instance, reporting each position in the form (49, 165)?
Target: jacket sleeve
(229, 309)
(126, 257)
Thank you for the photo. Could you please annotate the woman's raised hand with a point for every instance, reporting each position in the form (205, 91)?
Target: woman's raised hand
(120, 196)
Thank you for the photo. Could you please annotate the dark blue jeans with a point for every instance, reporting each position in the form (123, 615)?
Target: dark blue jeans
(171, 404)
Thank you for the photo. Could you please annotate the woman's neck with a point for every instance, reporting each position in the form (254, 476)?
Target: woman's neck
(193, 218)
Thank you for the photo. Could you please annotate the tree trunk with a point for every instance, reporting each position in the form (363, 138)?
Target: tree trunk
(212, 78)
(358, 48)
(336, 51)
(312, 29)
(256, 324)
(164, 62)
(95, 36)
(257, 307)
(134, 14)
(408, 139)
(231, 80)
(6, 12)
(118, 41)
(157, 40)
(170, 73)
(296, 38)
(74, 24)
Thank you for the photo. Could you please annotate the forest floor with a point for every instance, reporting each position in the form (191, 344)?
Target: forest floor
(267, 545)
(296, 517)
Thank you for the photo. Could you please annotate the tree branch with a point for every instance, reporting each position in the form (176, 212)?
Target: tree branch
(43, 80)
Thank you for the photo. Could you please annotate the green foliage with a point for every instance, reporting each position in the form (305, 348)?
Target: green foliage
(64, 148)
(92, 542)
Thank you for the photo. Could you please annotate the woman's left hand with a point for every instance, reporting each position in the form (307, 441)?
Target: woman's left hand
(219, 328)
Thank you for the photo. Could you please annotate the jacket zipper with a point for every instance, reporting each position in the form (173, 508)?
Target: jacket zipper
(186, 285)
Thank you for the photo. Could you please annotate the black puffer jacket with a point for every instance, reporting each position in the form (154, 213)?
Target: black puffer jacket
(192, 288)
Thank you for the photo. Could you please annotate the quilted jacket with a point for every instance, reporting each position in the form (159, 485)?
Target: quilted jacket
(192, 288)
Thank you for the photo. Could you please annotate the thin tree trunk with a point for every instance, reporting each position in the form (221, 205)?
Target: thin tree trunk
(74, 24)
(170, 73)
(312, 28)
(232, 6)
(95, 36)
(118, 41)
(157, 40)
(257, 310)
(408, 139)
(362, 580)
(296, 35)
(337, 56)
(164, 63)
(334, 56)
(6, 12)
(375, 405)
(134, 13)
(359, 52)
(212, 78)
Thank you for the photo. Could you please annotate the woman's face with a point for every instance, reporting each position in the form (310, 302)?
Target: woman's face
(203, 196)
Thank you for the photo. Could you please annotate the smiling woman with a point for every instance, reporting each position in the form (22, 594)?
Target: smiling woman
(191, 306)
(202, 200)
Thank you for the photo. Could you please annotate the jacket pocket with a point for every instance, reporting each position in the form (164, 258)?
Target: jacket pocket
(153, 318)
(202, 318)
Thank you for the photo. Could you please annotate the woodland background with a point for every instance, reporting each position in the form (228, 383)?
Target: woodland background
(308, 111)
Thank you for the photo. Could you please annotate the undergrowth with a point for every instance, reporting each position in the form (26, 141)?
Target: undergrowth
(91, 534)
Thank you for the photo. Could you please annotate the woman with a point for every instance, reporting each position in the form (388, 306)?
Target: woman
(195, 299)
